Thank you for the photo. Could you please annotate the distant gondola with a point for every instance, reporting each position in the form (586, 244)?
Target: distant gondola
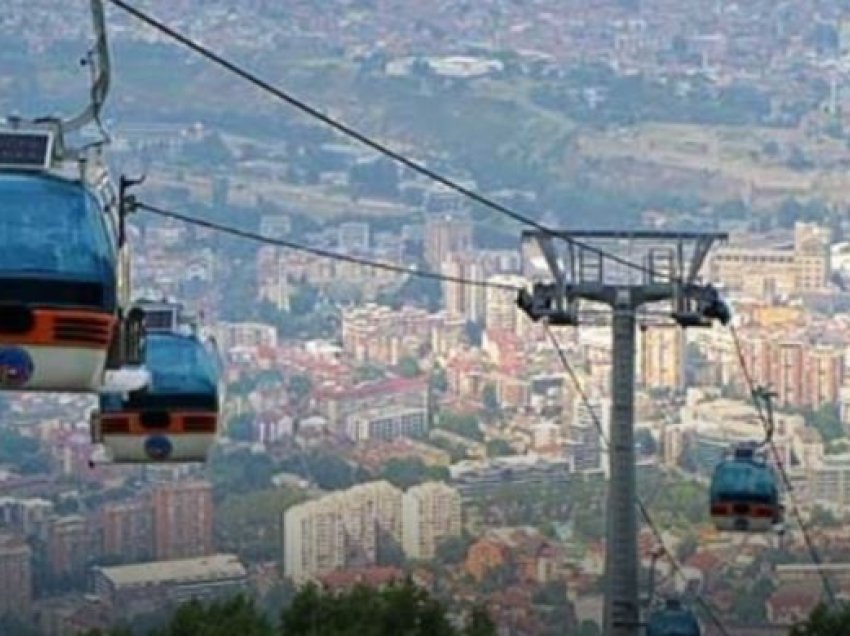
(745, 494)
(176, 418)
(673, 619)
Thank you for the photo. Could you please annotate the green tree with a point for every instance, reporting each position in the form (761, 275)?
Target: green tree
(824, 621)
(464, 425)
(407, 472)
(750, 603)
(299, 386)
(249, 523)
(238, 615)
(480, 623)
(239, 472)
(589, 628)
(452, 550)
(327, 471)
(400, 608)
(498, 448)
(278, 599)
(827, 421)
(439, 380)
(303, 302)
(490, 399)
(240, 427)
(368, 373)
(408, 367)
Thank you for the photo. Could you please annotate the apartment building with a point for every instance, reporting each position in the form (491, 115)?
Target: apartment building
(431, 513)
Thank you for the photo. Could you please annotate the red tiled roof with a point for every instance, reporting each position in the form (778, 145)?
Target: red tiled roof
(704, 561)
(372, 576)
(393, 385)
(798, 597)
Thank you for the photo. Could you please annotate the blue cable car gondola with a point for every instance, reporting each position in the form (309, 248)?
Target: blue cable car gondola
(176, 418)
(64, 268)
(745, 494)
(58, 266)
(673, 619)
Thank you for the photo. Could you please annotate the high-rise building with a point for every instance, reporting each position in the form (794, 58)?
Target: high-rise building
(500, 308)
(811, 256)
(829, 480)
(662, 359)
(182, 520)
(15, 576)
(26, 517)
(127, 530)
(342, 529)
(445, 235)
(585, 441)
(461, 299)
(431, 513)
(824, 375)
(69, 547)
(801, 373)
(788, 372)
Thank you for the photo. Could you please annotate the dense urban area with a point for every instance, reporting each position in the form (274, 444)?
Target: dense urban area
(383, 427)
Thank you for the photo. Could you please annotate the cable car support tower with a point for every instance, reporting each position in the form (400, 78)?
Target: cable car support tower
(668, 272)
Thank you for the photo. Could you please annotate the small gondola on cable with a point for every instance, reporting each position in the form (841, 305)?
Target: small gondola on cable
(176, 418)
(672, 618)
(64, 264)
(745, 493)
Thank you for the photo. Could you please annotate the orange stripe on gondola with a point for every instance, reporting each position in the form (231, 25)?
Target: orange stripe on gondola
(130, 423)
(756, 511)
(65, 328)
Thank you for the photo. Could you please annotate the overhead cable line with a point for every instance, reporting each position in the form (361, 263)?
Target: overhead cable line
(780, 465)
(368, 141)
(320, 252)
(677, 568)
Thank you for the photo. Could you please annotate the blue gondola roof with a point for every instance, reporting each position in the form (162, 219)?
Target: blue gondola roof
(744, 478)
(180, 365)
(53, 228)
(673, 620)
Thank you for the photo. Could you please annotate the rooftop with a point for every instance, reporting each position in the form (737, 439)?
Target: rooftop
(214, 567)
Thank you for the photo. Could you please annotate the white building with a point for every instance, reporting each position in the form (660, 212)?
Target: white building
(431, 512)
(387, 424)
(341, 529)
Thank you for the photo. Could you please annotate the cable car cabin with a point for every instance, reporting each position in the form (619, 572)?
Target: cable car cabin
(745, 494)
(176, 417)
(59, 267)
(64, 265)
(673, 619)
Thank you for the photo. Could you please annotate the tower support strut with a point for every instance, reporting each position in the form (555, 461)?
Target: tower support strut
(667, 273)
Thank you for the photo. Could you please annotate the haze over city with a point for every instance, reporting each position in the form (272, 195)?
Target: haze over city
(515, 318)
